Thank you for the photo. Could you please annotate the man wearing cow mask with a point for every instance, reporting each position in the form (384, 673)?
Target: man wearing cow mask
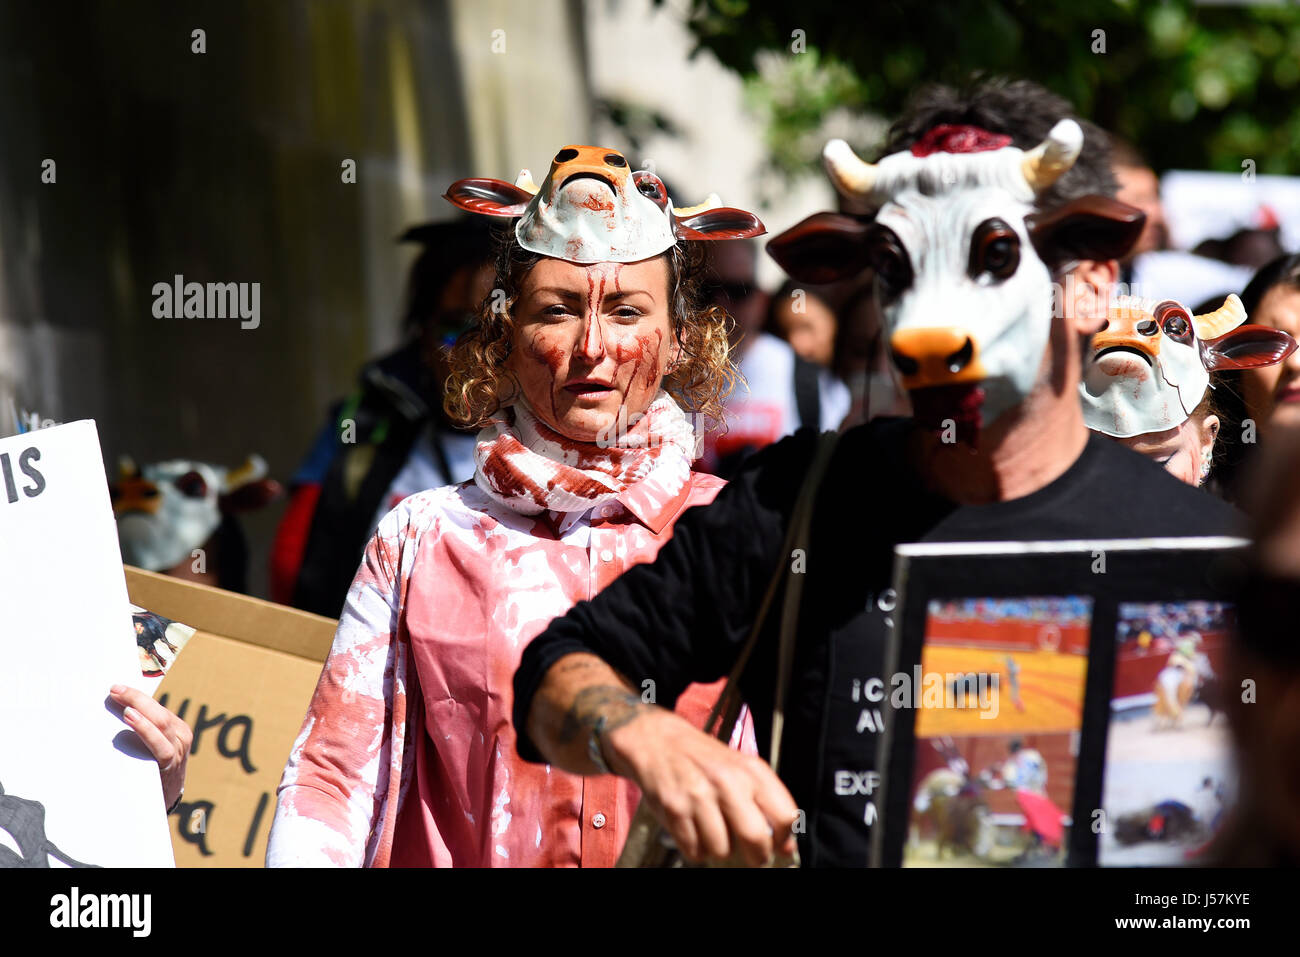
(988, 201)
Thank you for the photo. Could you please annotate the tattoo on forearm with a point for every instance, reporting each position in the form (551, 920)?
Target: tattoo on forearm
(617, 705)
(571, 663)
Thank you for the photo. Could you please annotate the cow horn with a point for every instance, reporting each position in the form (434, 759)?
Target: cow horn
(713, 201)
(254, 468)
(853, 178)
(525, 182)
(126, 468)
(1050, 159)
(1220, 322)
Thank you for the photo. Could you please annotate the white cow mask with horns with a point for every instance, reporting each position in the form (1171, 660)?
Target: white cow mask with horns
(963, 257)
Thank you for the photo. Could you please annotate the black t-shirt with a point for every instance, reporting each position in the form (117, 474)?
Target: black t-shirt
(684, 617)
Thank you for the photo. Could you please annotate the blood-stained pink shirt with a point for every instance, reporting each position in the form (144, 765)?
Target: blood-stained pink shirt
(407, 754)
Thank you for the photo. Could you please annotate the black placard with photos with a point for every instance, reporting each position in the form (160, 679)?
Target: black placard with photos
(1056, 703)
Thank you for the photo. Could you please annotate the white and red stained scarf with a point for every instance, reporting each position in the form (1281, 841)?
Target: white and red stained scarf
(530, 468)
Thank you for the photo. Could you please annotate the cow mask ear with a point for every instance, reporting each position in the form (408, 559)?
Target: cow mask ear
(488, 197)
(249, 496)
(1090, 227)
(723, 222)
(1247, 347)
(824, 248)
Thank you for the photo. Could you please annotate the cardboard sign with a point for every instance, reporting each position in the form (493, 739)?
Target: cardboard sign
(77, 786)
(242, 685)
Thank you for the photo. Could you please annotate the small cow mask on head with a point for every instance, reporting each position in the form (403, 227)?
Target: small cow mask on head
(1150, 365)
(592, 208)
(963, 259)
(167, 509)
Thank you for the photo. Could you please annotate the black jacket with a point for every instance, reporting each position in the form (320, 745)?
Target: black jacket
(373, 433)
(683, 618)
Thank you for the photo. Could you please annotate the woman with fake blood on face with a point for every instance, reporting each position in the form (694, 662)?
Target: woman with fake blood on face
(586, 347)
(575, 373)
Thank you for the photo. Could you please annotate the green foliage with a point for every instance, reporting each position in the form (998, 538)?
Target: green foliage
(799, 97)
(1192, 86)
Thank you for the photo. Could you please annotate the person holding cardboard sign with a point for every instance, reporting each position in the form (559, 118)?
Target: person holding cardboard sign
(574, 371)
(167, 737)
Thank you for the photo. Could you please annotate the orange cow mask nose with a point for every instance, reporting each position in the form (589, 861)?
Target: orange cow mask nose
(937, 356)
(135, 494)
(604, 164)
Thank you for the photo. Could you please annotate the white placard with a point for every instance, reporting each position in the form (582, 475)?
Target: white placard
(1200, 205)
(78, 784)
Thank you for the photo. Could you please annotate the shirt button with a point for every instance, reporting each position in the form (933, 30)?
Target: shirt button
(598, 820)
(607, 556)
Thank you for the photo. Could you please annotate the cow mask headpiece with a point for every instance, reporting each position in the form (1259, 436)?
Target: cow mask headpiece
(1149, 367)
(167, 509)
(963, 259)
(592, 208)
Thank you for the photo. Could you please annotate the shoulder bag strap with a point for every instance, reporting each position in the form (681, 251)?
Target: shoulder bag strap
(646, 845)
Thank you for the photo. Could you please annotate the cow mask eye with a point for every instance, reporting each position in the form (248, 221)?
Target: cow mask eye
(191, 485)
(994, 250)
(1175, 324)
(890, 262)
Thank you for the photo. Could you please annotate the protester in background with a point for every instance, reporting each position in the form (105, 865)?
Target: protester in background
(181, 517)
(1154, 267)
(1149, 379)
(1272, 394)
(1139, 186)
(1263, 669)
(390, 438)
(1259, 401)
(779, 391)
(578, 379)
(802, 316)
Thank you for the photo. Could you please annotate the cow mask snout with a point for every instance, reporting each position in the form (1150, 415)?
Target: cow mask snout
(935, 356)
(135, 494)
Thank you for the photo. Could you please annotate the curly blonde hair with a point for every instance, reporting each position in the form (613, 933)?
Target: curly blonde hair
(480, 385)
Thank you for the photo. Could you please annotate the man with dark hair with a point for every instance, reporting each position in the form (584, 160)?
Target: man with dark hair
(1140, 186)
(999, 201)
(1020, 109)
